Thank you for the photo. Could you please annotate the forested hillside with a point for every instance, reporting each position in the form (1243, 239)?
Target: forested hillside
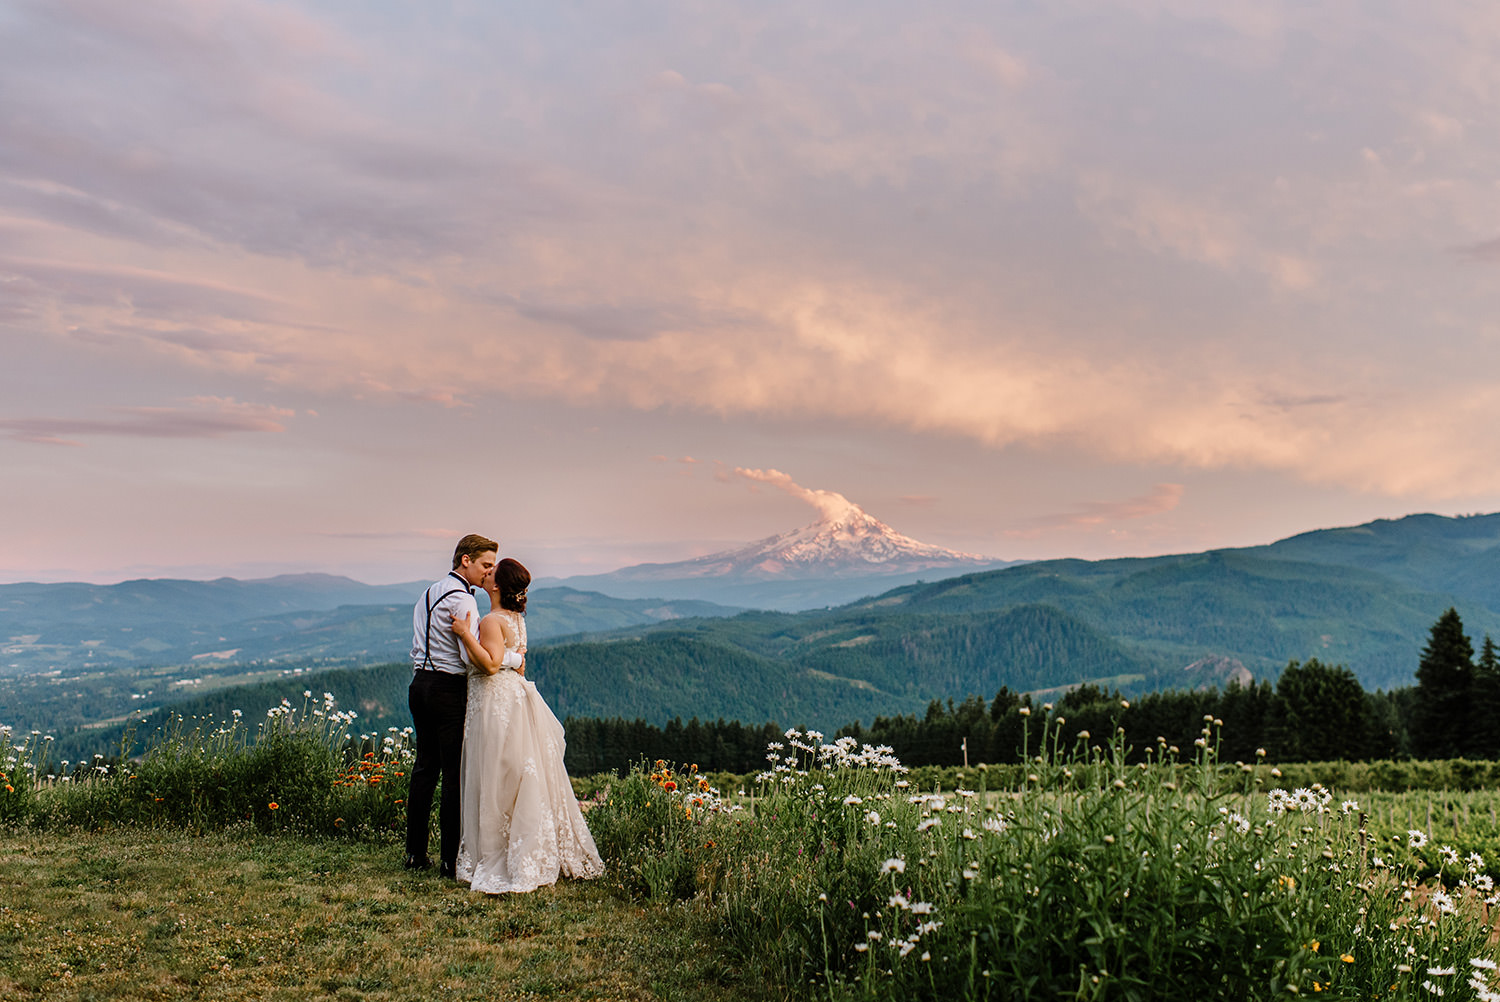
(1361, 598)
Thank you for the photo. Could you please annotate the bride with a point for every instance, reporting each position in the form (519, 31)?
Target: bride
(521, 823)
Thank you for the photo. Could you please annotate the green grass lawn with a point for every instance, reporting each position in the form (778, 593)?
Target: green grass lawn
(132, 915)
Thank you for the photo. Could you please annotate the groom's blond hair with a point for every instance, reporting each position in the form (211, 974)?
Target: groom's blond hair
(472, 546)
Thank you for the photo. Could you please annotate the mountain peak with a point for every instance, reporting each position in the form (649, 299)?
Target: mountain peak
(846, 541)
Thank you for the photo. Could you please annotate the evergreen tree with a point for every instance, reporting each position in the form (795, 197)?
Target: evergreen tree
(1387, 732)
(1246, 711)
(1006, 737)
(1324, 713)
(1441, 719)
(1484, 741)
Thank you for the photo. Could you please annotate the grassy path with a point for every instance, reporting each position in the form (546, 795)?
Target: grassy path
(137, 915)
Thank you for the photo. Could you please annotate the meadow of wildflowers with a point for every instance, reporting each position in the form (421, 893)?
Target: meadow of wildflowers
(1087, 879)
(1087, 873)
(299, 768)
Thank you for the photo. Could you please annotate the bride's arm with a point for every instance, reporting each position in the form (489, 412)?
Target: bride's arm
(486, 652)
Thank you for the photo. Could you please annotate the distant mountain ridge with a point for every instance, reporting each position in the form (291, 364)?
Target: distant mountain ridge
(1363, 596)
(308, 616)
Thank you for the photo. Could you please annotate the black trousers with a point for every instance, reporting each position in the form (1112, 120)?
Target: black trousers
(437, 700)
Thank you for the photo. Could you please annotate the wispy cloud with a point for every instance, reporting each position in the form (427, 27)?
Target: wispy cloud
(396, 534)
(1485, 251)
(958, 228)
(205, 417)
(1162, 498)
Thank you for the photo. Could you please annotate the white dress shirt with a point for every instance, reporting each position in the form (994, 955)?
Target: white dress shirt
(433, 643)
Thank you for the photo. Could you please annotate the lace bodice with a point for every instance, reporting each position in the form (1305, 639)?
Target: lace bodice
(518, 623)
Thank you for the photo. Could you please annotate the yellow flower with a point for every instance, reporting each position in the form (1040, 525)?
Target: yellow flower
(1347, 958)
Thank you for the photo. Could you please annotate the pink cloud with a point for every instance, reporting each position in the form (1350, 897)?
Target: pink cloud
(207, 417)
(794, 239)
(1162, 498)
(397, 534)
(1486, 251)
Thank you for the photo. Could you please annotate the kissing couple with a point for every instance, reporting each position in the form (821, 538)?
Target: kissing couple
(508, 821)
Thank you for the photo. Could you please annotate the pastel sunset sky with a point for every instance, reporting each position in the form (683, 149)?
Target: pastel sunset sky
(323, 285)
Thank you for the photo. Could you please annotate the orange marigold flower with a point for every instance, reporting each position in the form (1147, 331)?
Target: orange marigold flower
(398, 801)
(369, 754)
(669, 785)
(9, 788)
(273, 805)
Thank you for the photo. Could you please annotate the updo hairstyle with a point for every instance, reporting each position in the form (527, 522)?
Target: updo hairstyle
(511, 580)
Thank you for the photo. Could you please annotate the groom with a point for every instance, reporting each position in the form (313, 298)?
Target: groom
(438, 697)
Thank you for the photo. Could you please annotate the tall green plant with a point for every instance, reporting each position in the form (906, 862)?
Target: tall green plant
(299, 769)
(1092, 876)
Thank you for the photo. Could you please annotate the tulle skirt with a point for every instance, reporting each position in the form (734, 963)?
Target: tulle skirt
(521, 823)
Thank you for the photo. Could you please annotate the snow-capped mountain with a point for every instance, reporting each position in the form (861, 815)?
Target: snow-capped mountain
(846, 542)
(845, 555)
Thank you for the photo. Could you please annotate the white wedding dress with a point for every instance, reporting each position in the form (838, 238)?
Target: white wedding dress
(521, 823)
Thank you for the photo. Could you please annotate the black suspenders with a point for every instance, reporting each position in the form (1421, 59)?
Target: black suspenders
(432, 604)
